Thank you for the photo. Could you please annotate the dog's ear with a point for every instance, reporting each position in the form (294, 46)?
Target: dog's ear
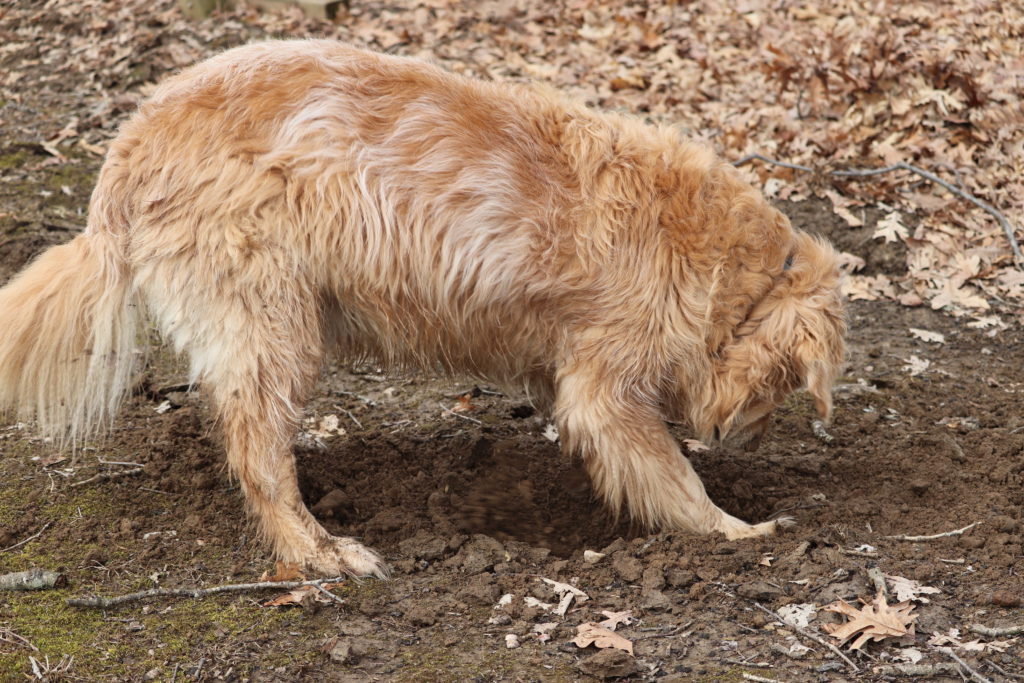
(820, 376)
(793, 337)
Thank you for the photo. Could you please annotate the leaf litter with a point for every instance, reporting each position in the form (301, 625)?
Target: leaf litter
(828, 86)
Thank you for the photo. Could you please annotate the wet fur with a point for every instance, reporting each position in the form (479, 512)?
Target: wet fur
(288, 199)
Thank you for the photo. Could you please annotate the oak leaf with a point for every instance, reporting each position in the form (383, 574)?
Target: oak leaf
(875, 621)
(594, 634)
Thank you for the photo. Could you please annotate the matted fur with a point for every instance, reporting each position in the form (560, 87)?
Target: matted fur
(289, 198)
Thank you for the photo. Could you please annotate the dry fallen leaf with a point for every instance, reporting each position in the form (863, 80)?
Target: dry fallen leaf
(301, 595)
(593, 634)
(613, 619)
(324, 428)
(908, 589)
(891, 229)
(465, 404)
(876, 621)
(928, 336)
(916, 366)
(799, 615)
(283, 572)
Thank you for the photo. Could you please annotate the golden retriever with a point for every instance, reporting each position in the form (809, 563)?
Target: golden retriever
(285, 199)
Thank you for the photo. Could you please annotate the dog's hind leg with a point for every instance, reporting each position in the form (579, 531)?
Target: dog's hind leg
(633, 459)
(259, 348)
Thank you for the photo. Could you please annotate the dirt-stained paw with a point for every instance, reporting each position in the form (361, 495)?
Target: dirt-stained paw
(338, 555)
(735, 529)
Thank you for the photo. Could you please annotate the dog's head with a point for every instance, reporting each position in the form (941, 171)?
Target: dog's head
(791, 338)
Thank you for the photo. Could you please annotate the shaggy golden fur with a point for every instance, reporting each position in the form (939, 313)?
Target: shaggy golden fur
(288, 198)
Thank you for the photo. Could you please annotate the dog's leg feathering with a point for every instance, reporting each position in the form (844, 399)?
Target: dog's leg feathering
(262, 365)
(633, 459)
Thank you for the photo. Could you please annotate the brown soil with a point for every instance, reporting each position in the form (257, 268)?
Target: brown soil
(468, 507)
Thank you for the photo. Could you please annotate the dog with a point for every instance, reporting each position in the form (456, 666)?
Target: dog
(289, 198)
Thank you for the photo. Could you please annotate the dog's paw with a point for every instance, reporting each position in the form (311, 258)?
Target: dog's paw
(340, 555)
(735, 529)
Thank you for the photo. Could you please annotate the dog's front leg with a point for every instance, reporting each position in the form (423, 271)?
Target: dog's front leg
(633, 459)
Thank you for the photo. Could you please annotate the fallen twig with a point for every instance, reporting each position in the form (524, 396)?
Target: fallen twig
(104, 603)
(761, 679)
(996, 632)
(808, 634)
(948, 651)
(916, 669)
(353, 418)
(459, 415)
(9, 636)
(30, 538)
(105, 475)
(756, 665)
(992, 665)
(31, 580)
(1008, 229)
(947, 534)
(328, 593)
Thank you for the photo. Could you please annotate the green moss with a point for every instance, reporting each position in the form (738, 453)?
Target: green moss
(107, 646)
(13, 159)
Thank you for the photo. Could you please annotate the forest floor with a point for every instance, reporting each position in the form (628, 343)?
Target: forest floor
(475, 504)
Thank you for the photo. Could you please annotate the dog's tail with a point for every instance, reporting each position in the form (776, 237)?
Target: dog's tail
(67, 337)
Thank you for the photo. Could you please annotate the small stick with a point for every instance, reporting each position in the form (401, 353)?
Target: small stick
(957, 532)
(9, 636)
(859, 553)
(353, 418)
(959, 561)
(117, 462)
(32, 537)
(105, 475)
(464, 417)
(756, 665)
(996, 632)
(760, 679)
(952, 655)
(807, 634)
(104, 603)
(862, 173)
(328, 593)
(916, 669)
(993, 665)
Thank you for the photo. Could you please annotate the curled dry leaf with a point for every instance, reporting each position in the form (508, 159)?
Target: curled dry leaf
(598, 636)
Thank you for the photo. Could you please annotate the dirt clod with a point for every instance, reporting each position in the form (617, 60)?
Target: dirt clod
(609, 664)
